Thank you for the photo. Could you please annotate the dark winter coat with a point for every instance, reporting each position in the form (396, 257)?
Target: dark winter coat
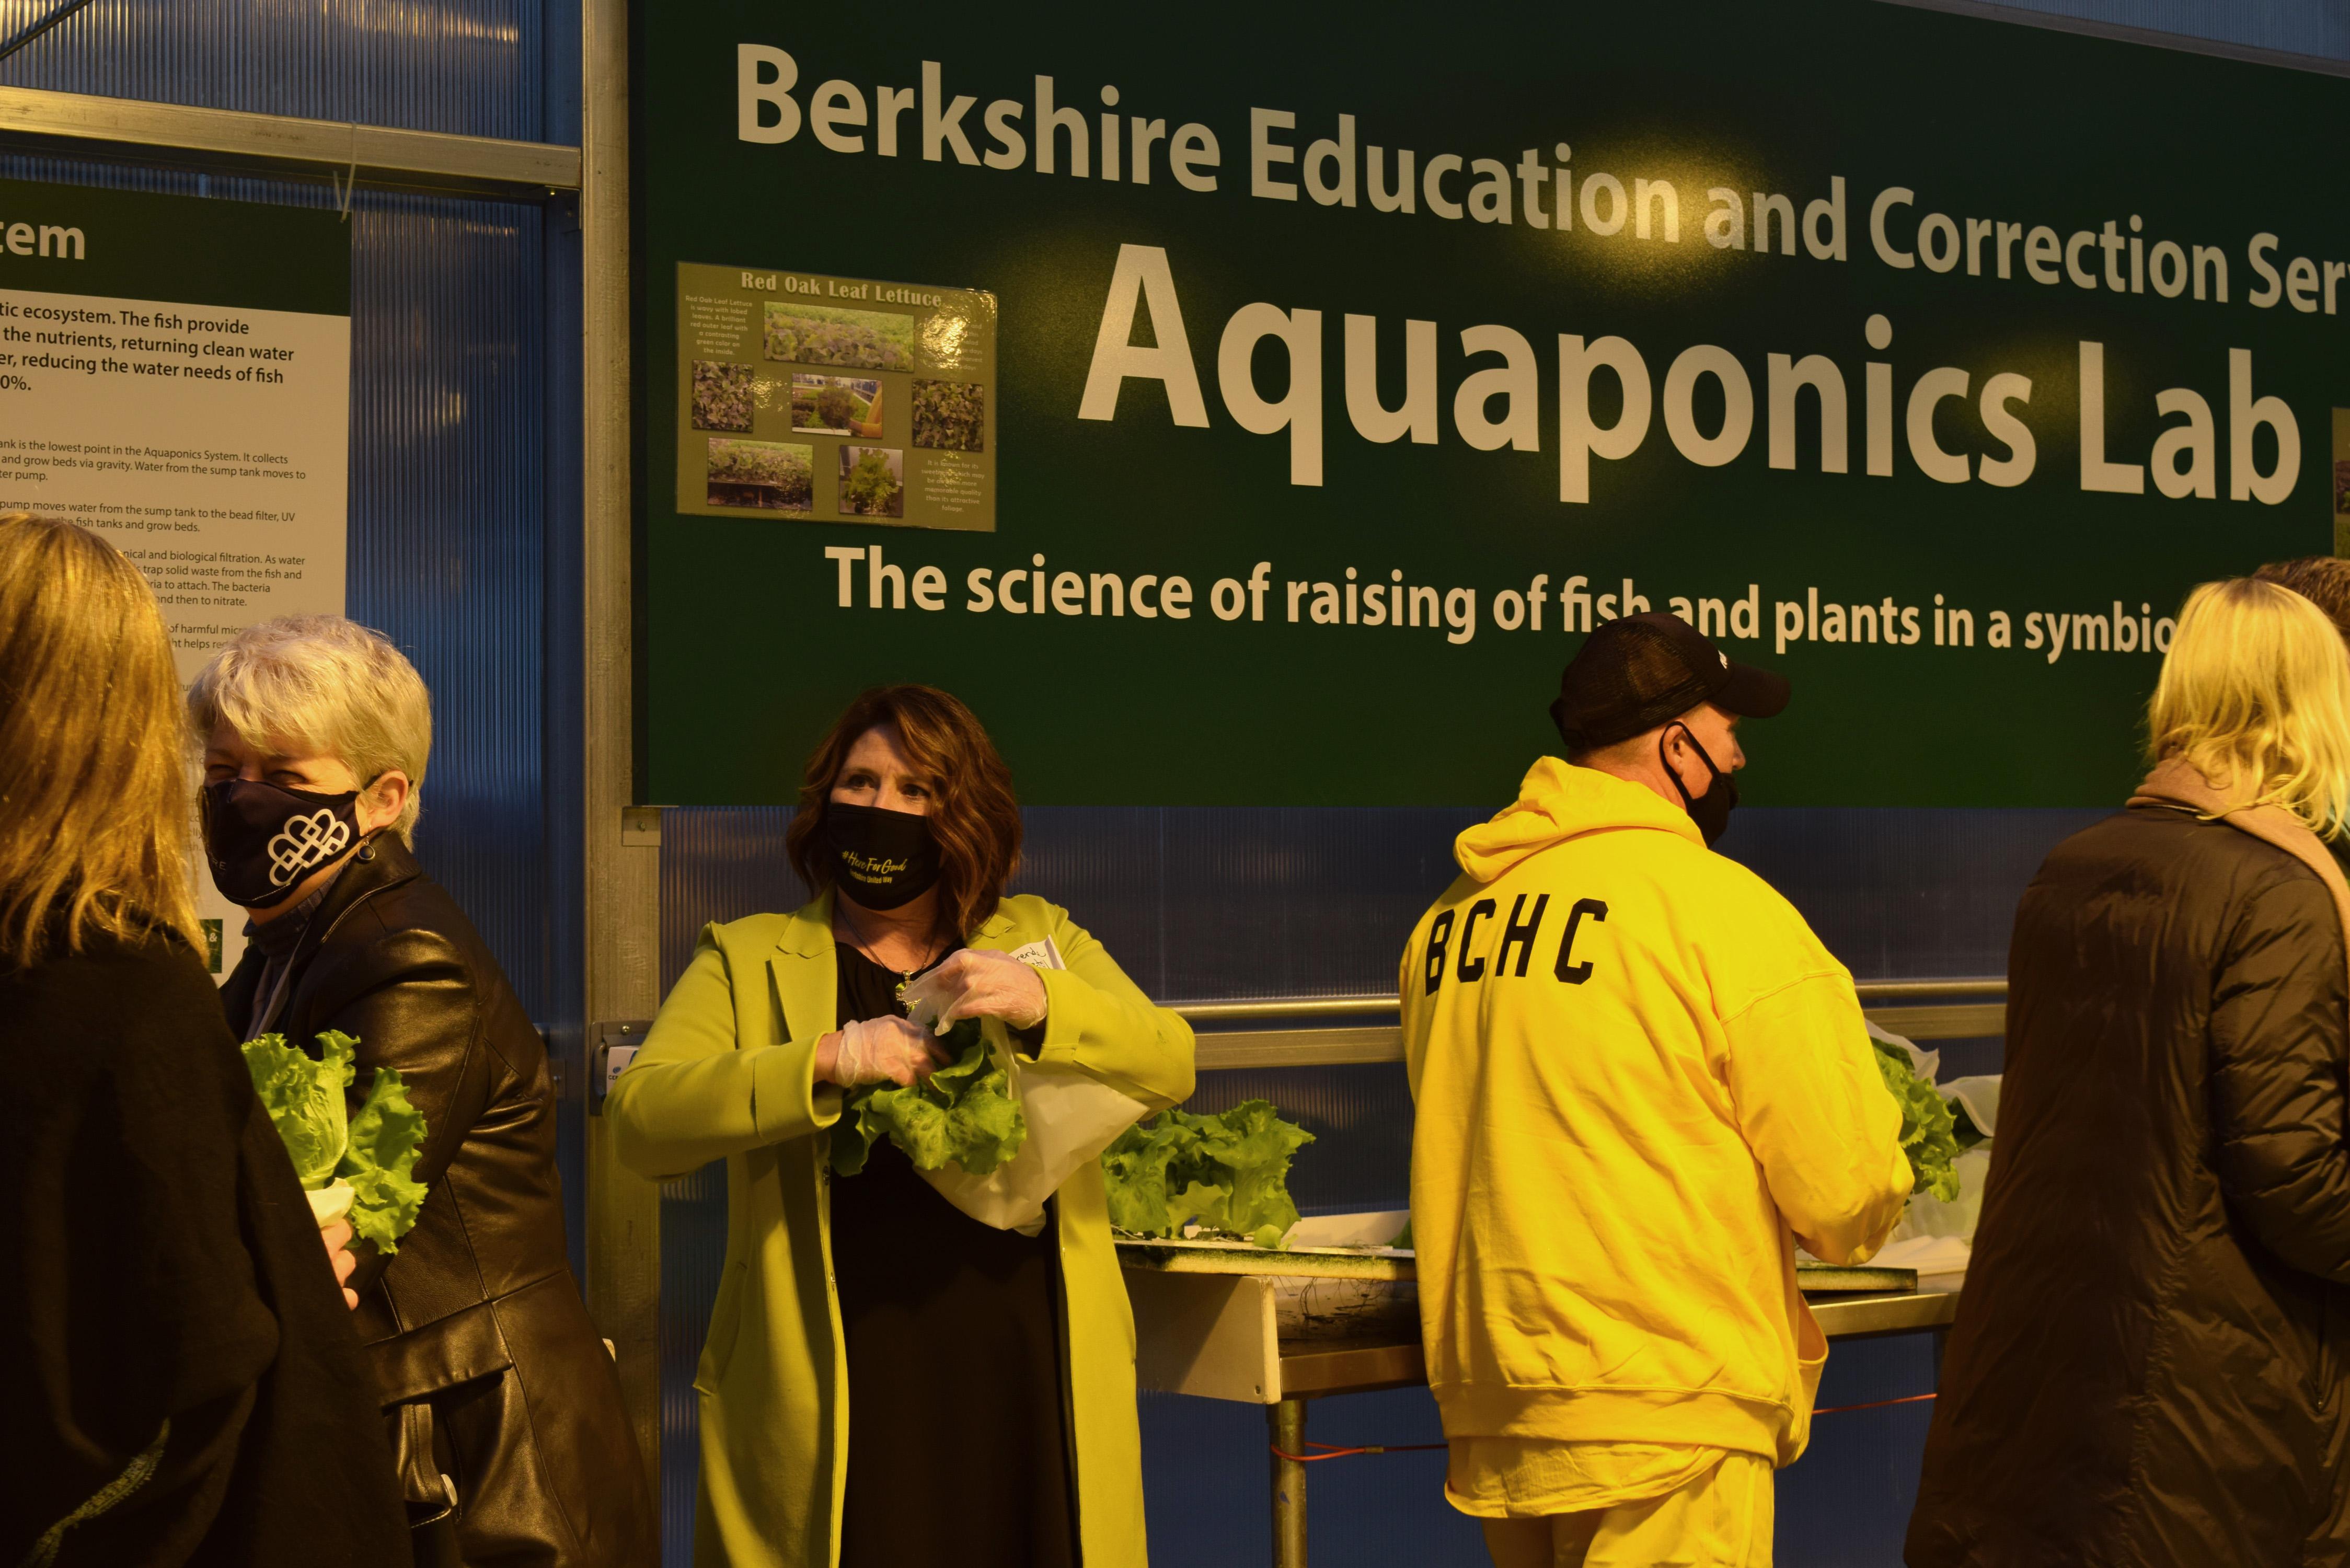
(165, 1281)
(484, 1354)
(2149, 1361)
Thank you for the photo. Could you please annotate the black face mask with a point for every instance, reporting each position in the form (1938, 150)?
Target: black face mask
(1710, 810)
(263, 840)
(882, 859)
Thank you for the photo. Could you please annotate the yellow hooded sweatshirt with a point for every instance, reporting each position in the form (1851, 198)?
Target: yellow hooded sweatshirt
(1639, 1080)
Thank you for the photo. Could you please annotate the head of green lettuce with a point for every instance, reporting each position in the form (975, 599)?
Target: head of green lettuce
(373, 1152)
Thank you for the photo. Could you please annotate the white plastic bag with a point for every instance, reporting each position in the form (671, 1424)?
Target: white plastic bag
(1072, 1116)
(1980, 1095)
(1925, 1063)
(1929, 1216)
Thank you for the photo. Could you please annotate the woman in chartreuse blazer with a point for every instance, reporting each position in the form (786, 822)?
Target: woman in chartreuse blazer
(887, 1381)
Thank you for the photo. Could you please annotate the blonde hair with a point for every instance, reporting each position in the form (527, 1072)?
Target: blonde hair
(325, 685)
(93, 767)
(2255, 693)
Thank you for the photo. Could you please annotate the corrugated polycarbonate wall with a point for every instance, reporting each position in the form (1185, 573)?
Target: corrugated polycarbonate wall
(458, 309)
(1194, 903)
(448, 537)
(451, 304)
(465, 457)
(471, 68)
(1222, 904)
(447, 515)
(2318, 28)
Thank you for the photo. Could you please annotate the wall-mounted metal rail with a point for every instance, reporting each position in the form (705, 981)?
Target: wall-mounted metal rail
(1873, 992)
(1322, 1034)
(380, 156)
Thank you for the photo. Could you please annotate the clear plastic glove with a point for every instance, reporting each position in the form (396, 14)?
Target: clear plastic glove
(974, 983)
(878, 1050)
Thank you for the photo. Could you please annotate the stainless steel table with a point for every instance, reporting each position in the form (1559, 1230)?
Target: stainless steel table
(1277, 1329)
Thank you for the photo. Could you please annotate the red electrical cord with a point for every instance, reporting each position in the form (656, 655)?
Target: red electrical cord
(1872, 1405)
(1330, 1451)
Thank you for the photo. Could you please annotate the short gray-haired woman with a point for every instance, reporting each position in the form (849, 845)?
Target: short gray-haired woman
(513, 1446)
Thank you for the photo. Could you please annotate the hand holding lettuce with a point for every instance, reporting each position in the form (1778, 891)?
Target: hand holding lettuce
(1928, 1132)
(963, 1111)
(1230, 1172)
(360, 1167)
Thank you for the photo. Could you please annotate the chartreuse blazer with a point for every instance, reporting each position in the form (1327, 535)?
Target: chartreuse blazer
(728, 1071)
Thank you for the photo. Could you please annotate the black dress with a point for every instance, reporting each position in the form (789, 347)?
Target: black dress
(957, 1431)
(162, 1265)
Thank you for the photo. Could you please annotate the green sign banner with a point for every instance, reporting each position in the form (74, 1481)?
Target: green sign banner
(1333, 388)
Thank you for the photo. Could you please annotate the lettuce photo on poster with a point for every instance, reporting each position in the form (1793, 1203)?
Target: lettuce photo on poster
(770, 476)
(872, 481)
(834, 405)
(950, 416)
(722, 395)
(799, 334)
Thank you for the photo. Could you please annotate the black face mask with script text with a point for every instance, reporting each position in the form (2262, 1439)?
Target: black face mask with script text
(882, 859)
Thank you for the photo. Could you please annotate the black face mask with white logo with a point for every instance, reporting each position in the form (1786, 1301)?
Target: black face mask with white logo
(1710, 810)
(882, 859)
(262, 840)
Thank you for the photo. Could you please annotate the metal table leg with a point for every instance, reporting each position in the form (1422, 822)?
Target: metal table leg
(1287, 1422)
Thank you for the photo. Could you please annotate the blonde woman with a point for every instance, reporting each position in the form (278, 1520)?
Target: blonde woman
(513, 1444)
(2151, 1352)
(179, 1380)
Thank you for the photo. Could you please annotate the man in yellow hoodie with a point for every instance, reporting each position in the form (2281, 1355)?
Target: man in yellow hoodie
(1641, 1082)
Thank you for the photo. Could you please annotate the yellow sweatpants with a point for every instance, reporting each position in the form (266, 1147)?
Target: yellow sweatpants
(1721, 1518)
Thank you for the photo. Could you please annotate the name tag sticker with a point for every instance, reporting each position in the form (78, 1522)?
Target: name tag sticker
(1040, 955)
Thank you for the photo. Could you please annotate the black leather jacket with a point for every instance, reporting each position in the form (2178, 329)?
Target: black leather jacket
(485, 1355)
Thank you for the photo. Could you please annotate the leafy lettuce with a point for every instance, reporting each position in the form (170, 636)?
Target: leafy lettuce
(304, 1097)
(1929, 1133)
(1227, 1172)
(374, 1151)
(964, 1112)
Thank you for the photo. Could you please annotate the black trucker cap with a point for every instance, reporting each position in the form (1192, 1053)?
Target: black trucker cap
(1638, 671)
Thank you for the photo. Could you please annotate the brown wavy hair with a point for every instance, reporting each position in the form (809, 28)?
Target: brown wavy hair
(2322, 580)
(975, 818)
(94, 799)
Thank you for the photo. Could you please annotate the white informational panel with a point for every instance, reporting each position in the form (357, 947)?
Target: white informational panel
(175, 376)
(229, 494)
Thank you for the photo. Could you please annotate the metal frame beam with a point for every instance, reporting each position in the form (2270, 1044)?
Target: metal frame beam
(1873, 992)
(1311, 1040)
(621, 876)
(378, 156)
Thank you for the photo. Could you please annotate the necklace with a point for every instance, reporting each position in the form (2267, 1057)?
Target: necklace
(930, 956)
